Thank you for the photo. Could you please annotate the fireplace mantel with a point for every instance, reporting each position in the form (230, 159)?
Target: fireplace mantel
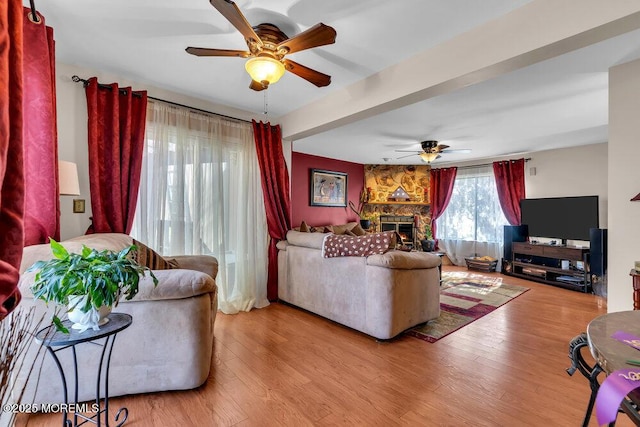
(398, 203)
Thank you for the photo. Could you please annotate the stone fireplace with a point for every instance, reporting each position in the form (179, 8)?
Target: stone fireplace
(399, 199)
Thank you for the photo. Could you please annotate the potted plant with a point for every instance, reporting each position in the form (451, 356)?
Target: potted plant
(90, 282)
(365, 221)
(428, 243)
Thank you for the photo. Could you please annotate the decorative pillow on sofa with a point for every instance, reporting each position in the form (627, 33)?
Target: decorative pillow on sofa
(146, 256)
(305, 228)
(358, 230)
(352, 227)
(343, 245)
(343, 228)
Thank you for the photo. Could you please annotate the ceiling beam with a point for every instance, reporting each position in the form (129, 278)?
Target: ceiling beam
(540, 30)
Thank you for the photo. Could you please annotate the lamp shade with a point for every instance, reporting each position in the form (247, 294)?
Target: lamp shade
(429, 157)
(264, 69)
(68, 178)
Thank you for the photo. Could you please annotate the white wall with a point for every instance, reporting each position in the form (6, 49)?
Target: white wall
(575, 171)
(624, 182)
(72, 132)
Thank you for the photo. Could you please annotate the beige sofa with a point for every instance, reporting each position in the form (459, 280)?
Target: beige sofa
(168, 346)
(380, 295)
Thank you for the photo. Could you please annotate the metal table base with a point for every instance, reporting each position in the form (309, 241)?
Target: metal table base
(56, 341)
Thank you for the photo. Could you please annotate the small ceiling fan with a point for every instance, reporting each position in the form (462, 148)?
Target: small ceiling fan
(431, 151)
(268, 46)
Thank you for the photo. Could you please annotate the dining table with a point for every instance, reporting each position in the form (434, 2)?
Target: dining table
(614, 354)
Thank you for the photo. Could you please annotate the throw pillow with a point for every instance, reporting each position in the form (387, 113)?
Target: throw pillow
(146, 256)
(358, 230)
(322, 229)
(342, 228)
(359, 246)
(304, 228)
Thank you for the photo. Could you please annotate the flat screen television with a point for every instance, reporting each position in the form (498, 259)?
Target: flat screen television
(566, 218)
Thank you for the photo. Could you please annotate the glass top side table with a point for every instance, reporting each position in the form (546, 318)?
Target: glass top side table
(56, 341)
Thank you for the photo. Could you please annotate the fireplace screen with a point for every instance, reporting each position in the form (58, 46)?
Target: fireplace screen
(404, 225)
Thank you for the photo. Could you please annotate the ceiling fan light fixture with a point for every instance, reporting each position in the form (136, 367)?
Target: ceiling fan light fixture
(264, 69)
(429, 157)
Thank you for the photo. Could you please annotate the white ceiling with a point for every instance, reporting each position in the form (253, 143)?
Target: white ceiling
(560, 102)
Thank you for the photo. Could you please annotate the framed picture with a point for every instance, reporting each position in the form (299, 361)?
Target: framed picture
(328, 188)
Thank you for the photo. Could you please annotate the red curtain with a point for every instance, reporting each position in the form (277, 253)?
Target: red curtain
(275, 187)
(440, 190)
(11, 160)
(117, 119)
(40, 135)
(510, 185)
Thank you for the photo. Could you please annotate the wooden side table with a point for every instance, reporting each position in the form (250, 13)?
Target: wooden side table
(635, 275)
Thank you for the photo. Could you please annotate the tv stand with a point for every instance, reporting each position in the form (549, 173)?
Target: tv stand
(543, 263)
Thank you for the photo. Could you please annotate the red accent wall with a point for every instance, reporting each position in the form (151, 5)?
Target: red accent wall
(301, 165)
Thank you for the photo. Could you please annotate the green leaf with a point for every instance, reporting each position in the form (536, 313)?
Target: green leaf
(58, 250)
(85, 251)
(59, 326)
(123, 253)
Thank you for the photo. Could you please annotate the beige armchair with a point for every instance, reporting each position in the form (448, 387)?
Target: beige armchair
(168, 346)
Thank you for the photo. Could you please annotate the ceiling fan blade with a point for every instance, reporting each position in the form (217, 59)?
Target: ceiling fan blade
(408, 151)
(203, 51)
(229, 10)
(257, 86)
(441, 147)
(403, 157)
(316, 77)
(457, 150)
(318, 35)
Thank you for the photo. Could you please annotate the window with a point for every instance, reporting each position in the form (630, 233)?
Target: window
(474, 212)
(201, 194)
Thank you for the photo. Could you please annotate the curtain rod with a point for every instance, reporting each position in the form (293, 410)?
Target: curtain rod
(34, 12)
(85, 82)
(478, 166)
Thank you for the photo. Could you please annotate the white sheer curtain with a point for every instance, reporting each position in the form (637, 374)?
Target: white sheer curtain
(200, 193)
(473, 223)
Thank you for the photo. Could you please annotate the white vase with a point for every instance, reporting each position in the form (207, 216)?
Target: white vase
(94, 318)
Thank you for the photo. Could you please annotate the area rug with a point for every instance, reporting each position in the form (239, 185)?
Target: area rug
(464, 298)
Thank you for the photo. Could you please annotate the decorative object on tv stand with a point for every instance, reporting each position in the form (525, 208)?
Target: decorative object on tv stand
(328, 188)
(90, 283)
(365, 219)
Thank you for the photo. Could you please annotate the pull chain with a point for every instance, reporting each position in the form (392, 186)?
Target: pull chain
(266, 104)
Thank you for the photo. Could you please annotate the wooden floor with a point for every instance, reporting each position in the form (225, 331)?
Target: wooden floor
(282, 366)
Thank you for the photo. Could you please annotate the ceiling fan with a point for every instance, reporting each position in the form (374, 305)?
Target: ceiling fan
(268, 46)
(431, 151)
